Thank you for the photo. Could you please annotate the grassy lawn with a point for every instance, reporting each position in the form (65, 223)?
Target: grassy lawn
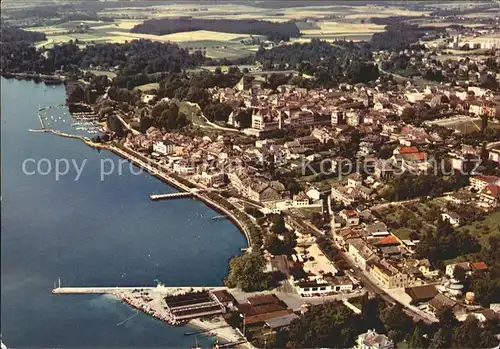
(147, 87)
(109, 74)
(417, 217)
(402, 233)
(483, 230)
(308, 212)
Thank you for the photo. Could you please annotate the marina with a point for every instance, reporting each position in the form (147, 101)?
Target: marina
(176, 306)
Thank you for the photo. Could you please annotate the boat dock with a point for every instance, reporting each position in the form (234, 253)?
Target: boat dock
(119, 289)
(180, 195)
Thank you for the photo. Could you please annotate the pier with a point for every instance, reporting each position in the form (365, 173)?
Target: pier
(190, 193)
(181, 195)
(165, 290)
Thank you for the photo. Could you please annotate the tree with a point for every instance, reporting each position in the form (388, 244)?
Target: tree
(459, 273)
(329, 325)
(276, 245)
(370, 312)
(397, 322)
(278, 224)
(439, 340)
(408, 114)
(416, 339)
(244, 118)
(216, 111)
(468, 335)
(247, 272)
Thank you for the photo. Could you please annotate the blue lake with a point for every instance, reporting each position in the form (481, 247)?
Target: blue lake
(91, 232)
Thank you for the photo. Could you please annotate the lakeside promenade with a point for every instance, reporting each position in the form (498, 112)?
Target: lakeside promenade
(162, 173)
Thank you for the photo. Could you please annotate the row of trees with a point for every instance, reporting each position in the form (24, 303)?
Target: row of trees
(12, 34)
(275, 31)
(279, 240)
(408, 186)
(487, 285)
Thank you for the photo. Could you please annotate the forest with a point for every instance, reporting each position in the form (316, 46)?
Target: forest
(12, 34)
(399, 36)
(273, 31)
(329, 64)
(131, 58)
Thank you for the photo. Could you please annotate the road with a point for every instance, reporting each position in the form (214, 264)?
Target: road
(492, 145)
(127, 125)
(372, 286)
(365, 278)
(392, 203)
(395, 76)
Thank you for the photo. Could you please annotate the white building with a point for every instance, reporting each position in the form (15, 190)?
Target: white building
(452, 217)
(314, 194)
(495, 155)
(361, 253)
(184, 168)
(163, 148)
(373, 340)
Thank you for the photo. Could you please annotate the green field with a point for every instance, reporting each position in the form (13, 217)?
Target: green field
(215, 45)
(147, 87)
(483, 230)
(329, 30)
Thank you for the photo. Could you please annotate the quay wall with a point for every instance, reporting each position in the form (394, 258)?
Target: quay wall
(167, 290)
(210, 203)
(136, 159)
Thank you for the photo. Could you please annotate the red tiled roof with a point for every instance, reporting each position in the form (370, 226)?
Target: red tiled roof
(478, 266)
(350, 213)
(488, 179)
(419, 156)
(494, 190)
(408, 150)
(388, 240)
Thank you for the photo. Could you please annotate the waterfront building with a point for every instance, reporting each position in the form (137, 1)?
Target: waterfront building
(164, 147)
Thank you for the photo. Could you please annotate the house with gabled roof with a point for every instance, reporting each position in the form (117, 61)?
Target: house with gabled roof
(490, 196)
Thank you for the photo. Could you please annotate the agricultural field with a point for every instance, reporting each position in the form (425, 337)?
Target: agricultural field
(216, 45)
(338, 30)
(313, 21)
(85, 31)
(240, 11)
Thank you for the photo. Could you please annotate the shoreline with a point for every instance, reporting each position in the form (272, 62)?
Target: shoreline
(149, 301)
(165, 177)
(208, 326)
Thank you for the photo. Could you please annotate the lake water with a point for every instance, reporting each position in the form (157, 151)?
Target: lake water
(91, 232)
